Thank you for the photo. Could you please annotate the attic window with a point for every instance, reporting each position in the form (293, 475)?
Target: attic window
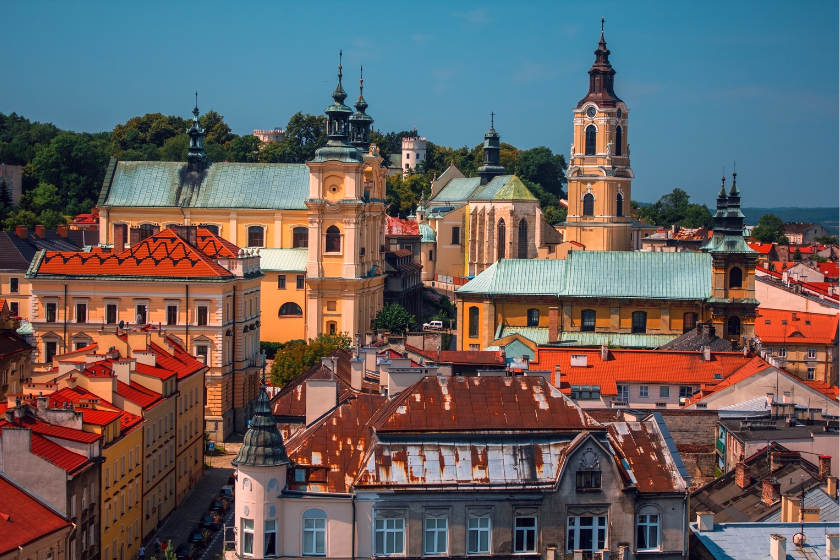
(718, 376)
(767, 321)
(784, 321)
(807, 322)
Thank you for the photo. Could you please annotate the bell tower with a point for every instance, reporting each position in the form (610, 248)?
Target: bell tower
(599, 174)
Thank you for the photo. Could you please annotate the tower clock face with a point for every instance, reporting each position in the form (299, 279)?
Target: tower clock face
(619, 113)
(591, 112)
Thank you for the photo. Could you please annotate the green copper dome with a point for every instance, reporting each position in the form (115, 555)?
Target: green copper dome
(427, 234)
(263, 444)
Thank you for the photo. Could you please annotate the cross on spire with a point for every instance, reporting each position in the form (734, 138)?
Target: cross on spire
(492, 116)
(196, 99)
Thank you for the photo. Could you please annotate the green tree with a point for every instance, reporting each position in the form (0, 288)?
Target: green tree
(770, 229)
(216, 130)
(304, 134)
(245, 149)
(19, 217)
(797, 255)
(5, 194)
(175, 148)
(295, 357)
(403, 193)
(394, 318)
(674, 209)
(827, 240)
(74, 163)
(169, 551)
(540, 165)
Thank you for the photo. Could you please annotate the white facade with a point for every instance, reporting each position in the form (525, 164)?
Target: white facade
(413, 151)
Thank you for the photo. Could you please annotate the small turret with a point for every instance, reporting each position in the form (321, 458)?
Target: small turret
(196, 158)
(361, 122)
(263, 442)
(492, 147)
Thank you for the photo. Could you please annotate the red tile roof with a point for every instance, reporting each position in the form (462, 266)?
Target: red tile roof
(215, 246)
(473, 357)
(638, 366)
(57, 455)
(400, 226)
(182, 363)
(829, 269)
(798, 327)
(139, 395)
(23, 519)
(85, 219)
(162, 255)
(48, 430)
(104, 412)
(762, 248)
(443, 404)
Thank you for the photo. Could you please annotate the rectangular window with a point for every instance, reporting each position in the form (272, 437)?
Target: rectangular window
(783, 352)
(525, 534)
(248, 536)
(141, 314)
(478, 535)
(647, 532)
(588, 480)
(14, 285)
(281, 281)
(586, 533)
(623, 392)
(81, 313)
(107, 477)
(586, 392)
(436, 535)
(643, 392)
(533, 317)
(389, 536)
(201, 354)
(201, 315)
(456, 236)
(473, 322)
(686, 391)
(431, 255)
(812, 353)
(270, 538)
(14, 308)
(639, 322)
(171, 314)
(52, 312)
(315, 537)
(812, 374)
(664, 392)
(111, 313)
(105, 555)
(301, 282)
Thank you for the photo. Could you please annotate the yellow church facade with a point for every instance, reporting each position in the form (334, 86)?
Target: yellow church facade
(320, 225)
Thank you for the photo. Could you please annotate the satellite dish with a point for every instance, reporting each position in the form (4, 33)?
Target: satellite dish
(122, 324)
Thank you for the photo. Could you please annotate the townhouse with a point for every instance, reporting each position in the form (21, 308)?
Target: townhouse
(29, 528)
(805, 344)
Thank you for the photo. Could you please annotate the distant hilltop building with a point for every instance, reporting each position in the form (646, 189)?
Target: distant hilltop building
(800, 233)
(273, 135)
(413, 151)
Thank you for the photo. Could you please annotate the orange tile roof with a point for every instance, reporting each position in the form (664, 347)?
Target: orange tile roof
(215, 246)
(164, 255)
(24, 519)
(103, 414)
(798, 327)
(49, 430)
(139, 395)
(182, 363)
(829, 269)
(638, 366)
(763, 248)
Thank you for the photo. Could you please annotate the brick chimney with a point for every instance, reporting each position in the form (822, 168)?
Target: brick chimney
(779, 459)
(771, 491)
(62, 229)
(22, 231)
(41, 231)
(552, 324)
(120, 235)
(825, 466)
(742, 474)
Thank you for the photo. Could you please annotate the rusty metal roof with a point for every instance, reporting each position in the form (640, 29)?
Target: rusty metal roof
(644, 447)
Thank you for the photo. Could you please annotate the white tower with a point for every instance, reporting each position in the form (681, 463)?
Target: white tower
(260, 477)
(413, 152)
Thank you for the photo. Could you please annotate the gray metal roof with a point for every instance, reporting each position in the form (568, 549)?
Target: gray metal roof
(751, 541)
(283, 260)
(155, 184)
(829, 508)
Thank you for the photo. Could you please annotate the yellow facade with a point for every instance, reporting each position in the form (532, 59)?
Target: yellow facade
(15, 289)
(277, 289)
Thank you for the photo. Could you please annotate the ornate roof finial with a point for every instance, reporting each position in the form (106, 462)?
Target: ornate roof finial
(196, 157)
(602, 26)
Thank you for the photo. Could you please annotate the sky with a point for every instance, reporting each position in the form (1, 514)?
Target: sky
(708, 84)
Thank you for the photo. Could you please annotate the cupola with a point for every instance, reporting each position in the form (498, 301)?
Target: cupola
(263, 443)
(361, 122)
(601, 77)
(196, 159)
(338, 129)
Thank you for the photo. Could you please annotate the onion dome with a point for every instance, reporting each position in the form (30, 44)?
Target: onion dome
(427, 234)
(338, 129)
(601, 78)
(361, 122)
(263, 443)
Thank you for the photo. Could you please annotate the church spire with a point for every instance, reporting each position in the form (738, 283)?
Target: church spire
(601, 77)
(196, 158)
(492, 147)
(360, 122)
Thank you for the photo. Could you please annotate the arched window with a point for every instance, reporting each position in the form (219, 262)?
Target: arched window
(734, 326)
(639, 322)
(333, 240)
(587, 320)
(212, 228)
(300, 237)
(736, 277)
(255, 236)
(523, 240)
(588, 204)
(619, 205)
(146, 230)
(689, 321)
(501, 240)
(533, 317)
(619, 139)
(591, 133)
(314, 532)
(473, 322)
(290, 308)
(647, 529)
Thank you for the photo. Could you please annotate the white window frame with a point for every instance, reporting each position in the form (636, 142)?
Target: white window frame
(574, 528)
(206, 353)
(246, 531)
(783, 352)
(474, 526)
(206, 306)
(644, 391)
(524, 530)
(314, 525)
(397, 529)
(643, 520)
(664, 391)
(812, 353)
(270, 531)
(623, 392)
(76, 304)
(433, 529)
(811, 374)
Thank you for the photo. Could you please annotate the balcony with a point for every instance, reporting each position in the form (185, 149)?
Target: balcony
(721, 447)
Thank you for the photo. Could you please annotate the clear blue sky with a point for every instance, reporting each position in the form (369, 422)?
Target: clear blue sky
(706, 82)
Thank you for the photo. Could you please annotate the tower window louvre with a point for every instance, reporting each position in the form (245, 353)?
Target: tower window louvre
(588, 204)
(619, 139)
(591, 133)
(619, 205)
(736, 277)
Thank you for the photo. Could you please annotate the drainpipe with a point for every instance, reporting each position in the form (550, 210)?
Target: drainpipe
(65, 318)
(233, 352)
(353, 529)
(684, 523)
(187, 322)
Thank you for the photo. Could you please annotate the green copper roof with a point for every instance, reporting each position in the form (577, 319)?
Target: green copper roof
(723, 243)
(601, 274)
(457, 190)
(283, 260)
(514, 189)
(539, 335)
(155, 184)
(427, 233)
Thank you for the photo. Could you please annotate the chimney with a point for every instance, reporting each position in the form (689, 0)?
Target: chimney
(605, 352)
(771, 491)
(106, 249)
(22, 231)
(831, 486)
(705, 521)
(43, 403)
(147, 357)
(578, 360)
(10, 415)
(825, 466)
(790, 508)
(41, 231)
(122, 369)
(71, 382)
(62, 229)
(133, 236)
(707, 353)
(778, 547)
(321, 397)
(779, 459)
(742, 474)
(552, 324)
(357, 371)
(832, 545)
(120, 231)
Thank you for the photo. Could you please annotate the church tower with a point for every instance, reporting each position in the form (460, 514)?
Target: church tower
(599, 173)
(492, 148)
(346, 214)
(196, 159)
(733, 302)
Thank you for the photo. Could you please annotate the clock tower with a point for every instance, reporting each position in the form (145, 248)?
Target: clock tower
(599, 173)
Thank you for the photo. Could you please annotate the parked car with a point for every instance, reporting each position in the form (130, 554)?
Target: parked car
(227, 492)
(211, 520)
(200, 537)
(433, 325)
(219, 504)
(187, 551)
